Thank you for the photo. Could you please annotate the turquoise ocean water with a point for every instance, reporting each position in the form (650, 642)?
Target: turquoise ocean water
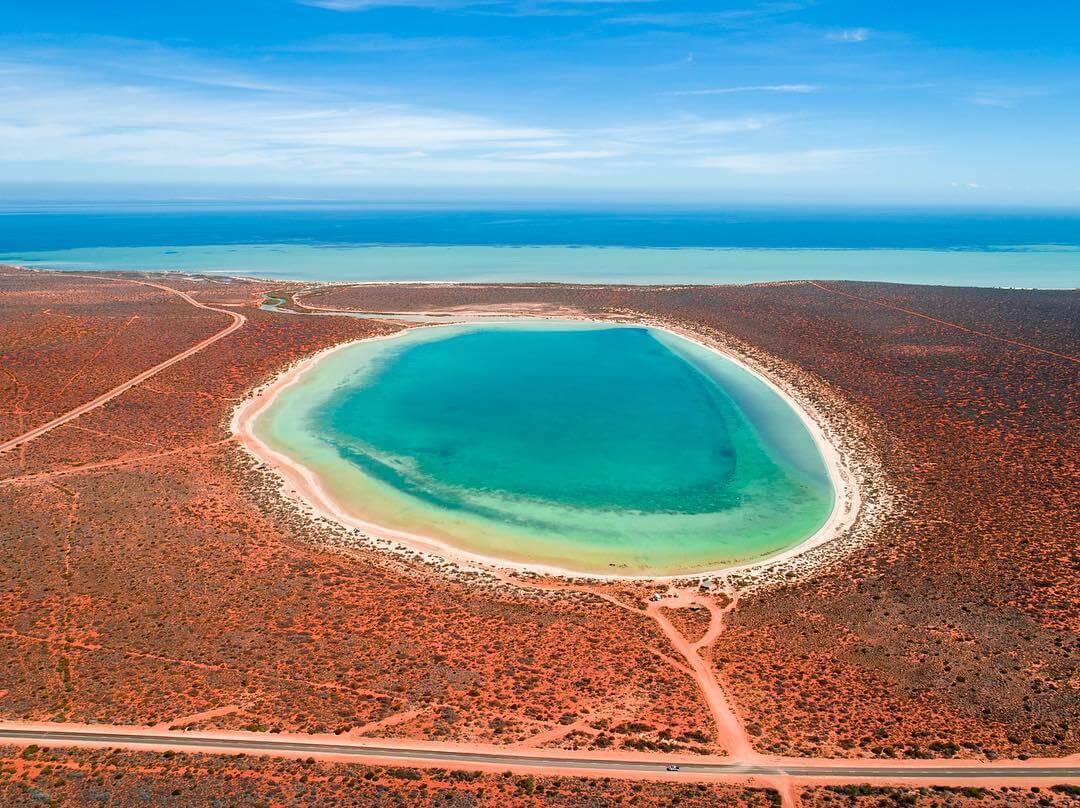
(593, 448)
(1019, 248)
(1048, 268)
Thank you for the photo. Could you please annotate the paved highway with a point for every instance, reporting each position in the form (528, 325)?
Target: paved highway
(1067, 771)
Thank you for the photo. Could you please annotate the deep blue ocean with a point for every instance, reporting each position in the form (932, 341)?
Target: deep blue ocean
(750, 228)
(988, 247)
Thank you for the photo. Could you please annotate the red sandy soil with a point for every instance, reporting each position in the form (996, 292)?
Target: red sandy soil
(85, 777)
(153, 574)
(857, 796)
(171, 579)
(692, 623)
(953, 632)
(31, 776)
(234, 319)
(76, 327)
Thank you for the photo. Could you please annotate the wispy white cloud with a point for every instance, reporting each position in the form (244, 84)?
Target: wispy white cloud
(755, 88)
(991, 100)
(692, 129)
(129, 109)
(378, 43)
(60, 113)
(87, 58)
(569, 154)
(728, 18)
(365, 5)
(793, 162)
(518, 7)
(1005, 97)
(850, 35)
(53, 115)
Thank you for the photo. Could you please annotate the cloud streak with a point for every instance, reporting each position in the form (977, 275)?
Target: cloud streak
(1006, 97)
(367, 5)
(726, 19)
(521, 8)
(793, 162)
(379, 43)
(801, 89)
(56, 114)
(850, 35)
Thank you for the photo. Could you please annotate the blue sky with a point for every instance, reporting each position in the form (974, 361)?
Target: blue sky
(957, 102)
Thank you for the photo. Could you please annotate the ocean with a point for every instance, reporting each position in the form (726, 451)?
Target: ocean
(1031, 249)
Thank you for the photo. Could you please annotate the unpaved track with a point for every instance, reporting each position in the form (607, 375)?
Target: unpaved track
(946, 323)
(238, 321)
(68, 471)
(731, 733)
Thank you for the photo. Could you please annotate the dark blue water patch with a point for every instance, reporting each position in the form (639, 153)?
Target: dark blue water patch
(749, 228)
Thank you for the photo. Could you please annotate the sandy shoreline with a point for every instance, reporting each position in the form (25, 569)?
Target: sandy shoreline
(305, 484)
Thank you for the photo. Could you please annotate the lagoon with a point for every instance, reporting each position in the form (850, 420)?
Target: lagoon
(560, 444)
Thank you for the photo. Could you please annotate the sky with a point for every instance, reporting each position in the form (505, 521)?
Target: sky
(966, 102)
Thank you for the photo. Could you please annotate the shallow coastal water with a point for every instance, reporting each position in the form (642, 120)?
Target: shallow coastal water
(661, 245)
(1051, 267)
(581, 446)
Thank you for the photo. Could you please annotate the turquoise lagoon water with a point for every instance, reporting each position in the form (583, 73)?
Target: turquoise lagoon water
(588, 447)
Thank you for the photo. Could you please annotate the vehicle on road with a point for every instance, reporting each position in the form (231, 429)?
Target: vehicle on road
(673, 768)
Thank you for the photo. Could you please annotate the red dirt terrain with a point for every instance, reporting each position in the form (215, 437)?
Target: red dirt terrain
(75, 327)
(154, 574)
(954, 631)
(856, 796)
(86, 777)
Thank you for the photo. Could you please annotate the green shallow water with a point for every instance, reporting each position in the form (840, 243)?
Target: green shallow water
(583, 446)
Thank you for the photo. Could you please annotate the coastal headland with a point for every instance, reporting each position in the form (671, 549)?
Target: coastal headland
(156, 576)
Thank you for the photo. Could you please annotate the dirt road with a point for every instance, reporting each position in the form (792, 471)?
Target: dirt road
(238, 321)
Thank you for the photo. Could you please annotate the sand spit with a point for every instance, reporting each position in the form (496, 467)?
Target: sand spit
(847, 466)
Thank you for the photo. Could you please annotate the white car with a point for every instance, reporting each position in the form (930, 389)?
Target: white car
(673, 768)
